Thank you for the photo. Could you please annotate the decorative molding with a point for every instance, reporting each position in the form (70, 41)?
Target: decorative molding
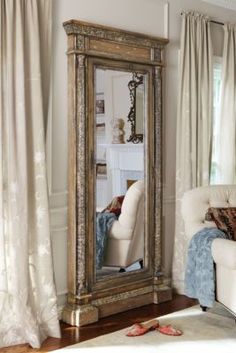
(169, 199)
(52, 193)
(80, 42)
(166, 20)
(62, 292)
(112, 34)
(59, 193)
(59, 229)
(60, 310)
(58, 216)
(59, 242)
(122, 296)
(58, 209)
(61, 301)
(57, 202)
(157, 54)
(58, 199)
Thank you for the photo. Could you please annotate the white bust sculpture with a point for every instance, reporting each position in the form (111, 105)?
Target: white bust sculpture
(117, 130)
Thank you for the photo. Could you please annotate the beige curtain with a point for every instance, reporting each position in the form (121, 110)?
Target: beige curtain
(227, 128)
(194, 124)
(28, 311)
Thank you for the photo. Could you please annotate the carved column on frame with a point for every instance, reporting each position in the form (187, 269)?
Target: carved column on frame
(157, 54)
(78, 310)
(161, 290)
(81, 177)
(158, 166)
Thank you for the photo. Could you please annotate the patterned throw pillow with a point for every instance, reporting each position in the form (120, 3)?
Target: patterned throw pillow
(115, 205)
(224, 218)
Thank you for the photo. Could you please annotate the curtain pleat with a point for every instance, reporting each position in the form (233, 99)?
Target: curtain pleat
(194, 124)
(27, 292)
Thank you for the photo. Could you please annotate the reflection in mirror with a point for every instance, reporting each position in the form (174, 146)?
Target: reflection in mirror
(135, 116)
(139, 110)
(120, 193)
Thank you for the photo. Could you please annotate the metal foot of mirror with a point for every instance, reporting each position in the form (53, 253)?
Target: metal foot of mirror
(115, 187)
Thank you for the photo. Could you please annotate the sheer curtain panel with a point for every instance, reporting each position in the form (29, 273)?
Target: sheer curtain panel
(28, 311)
(227, 136)
(194, 124)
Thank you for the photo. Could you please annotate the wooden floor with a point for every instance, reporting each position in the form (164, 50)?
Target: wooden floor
(71, 335)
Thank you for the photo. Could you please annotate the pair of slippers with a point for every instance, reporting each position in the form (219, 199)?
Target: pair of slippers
(139, 329)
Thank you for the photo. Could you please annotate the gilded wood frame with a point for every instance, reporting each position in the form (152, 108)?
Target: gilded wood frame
(92, 45)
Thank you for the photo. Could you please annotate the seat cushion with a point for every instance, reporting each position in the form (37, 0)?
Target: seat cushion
(224, 218)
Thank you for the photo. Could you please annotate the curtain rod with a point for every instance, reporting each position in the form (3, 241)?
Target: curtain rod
(212, 21)
(217, 22)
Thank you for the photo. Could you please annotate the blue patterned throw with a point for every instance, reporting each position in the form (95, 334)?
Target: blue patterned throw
(200, 273)
(104, 221)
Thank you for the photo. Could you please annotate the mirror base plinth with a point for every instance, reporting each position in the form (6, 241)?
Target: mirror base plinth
(79, 315)
(128, 303)
(162, 292)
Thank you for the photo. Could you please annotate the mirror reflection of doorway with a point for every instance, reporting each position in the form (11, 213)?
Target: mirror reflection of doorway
(120, 169)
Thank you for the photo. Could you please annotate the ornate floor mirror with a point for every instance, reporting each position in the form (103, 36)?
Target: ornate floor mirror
(115, 186)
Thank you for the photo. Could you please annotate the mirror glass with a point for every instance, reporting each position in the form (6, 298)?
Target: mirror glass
(120, 170)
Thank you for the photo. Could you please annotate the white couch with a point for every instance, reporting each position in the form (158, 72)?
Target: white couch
(125, 243)
(195, 203)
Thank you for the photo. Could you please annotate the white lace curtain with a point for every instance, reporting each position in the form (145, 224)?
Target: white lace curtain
(28, 311)
(194, 124)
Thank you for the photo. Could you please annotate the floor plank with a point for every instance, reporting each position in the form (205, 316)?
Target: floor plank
(71, 335)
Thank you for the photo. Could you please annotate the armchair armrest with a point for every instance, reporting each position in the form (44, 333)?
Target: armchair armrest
(120, 232)
(224, 253)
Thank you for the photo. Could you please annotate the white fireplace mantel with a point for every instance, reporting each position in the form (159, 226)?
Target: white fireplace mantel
(124, 162)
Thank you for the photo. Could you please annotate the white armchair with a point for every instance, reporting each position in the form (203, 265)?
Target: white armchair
(195, 203)
(125, 243)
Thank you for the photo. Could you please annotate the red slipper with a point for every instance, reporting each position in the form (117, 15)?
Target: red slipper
(140, 329)
(169, 330)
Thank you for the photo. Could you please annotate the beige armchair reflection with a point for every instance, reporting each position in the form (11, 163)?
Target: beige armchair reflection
(125, 244)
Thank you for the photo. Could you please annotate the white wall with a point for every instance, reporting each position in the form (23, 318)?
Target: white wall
(147, 16)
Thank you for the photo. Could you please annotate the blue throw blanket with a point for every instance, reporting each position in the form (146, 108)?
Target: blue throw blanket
(104, 221)
(200, 272)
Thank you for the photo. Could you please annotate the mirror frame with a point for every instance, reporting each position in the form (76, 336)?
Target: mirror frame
(103, 283)
(88, 299)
